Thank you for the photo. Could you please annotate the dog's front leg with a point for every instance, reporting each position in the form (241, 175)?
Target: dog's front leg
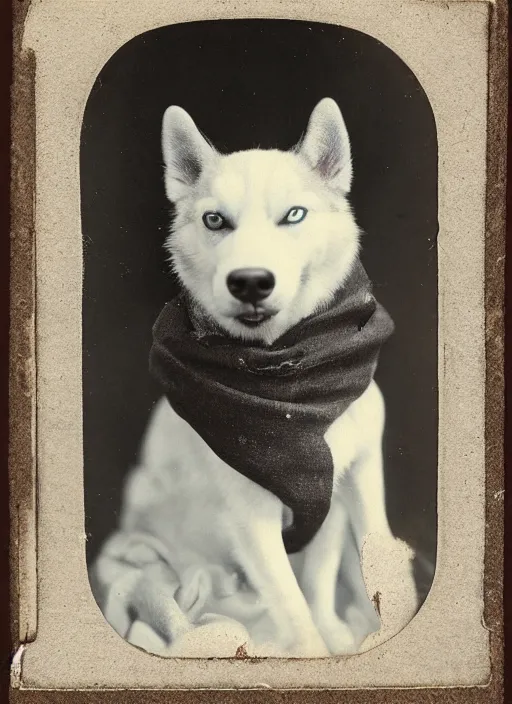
(387, 570)
(260, 551)
(318, 580)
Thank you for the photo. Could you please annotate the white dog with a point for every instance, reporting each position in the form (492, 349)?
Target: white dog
(272, 216)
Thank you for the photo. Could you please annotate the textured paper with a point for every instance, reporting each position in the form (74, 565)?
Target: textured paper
(445, 44)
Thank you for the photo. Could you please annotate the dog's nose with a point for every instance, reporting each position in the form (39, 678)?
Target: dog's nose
(251, 285)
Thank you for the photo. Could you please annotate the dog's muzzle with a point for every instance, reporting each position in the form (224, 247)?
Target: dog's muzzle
(251, 286)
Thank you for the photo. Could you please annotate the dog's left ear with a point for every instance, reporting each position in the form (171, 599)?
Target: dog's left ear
(326, 146)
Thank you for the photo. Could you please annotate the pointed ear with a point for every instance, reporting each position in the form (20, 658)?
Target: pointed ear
(185, 152)
(326, 146)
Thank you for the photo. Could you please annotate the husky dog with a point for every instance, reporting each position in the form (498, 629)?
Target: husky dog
(261, 240)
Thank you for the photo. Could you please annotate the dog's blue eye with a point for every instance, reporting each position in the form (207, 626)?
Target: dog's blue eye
(214, 221)
(294, 215)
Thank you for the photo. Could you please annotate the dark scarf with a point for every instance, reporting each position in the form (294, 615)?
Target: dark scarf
(264, 410)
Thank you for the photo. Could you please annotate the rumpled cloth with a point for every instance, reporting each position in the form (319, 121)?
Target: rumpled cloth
(143, 600)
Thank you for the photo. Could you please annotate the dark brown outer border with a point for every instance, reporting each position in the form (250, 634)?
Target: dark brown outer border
(22, 477)
(5, 144)
(22, 388)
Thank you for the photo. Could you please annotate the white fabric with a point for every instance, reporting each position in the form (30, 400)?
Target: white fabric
(142, 599)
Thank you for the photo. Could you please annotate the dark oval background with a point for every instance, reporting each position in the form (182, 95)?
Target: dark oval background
(253, 83)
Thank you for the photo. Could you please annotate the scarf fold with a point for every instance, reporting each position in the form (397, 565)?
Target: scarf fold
(264, 410)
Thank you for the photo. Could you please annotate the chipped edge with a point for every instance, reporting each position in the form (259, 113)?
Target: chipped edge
(16, 667)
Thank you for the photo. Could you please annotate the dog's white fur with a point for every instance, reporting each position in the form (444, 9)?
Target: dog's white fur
(255, 189)
(214, 514)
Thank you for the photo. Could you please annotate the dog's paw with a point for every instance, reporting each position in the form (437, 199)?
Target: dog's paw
(338, 637)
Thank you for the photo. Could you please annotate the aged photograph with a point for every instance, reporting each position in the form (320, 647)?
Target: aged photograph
(259, 208)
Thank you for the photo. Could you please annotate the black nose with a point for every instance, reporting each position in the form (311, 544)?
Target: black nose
(251, 285)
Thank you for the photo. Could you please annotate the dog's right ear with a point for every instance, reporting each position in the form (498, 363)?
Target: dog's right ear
(185, 152)
(326, 146)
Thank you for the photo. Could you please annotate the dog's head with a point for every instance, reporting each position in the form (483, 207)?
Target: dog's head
(261, 238)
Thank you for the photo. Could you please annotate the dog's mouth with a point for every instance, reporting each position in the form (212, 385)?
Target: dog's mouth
(254, 318)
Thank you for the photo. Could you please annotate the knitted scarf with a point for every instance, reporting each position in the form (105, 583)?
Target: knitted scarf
(264, 410)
